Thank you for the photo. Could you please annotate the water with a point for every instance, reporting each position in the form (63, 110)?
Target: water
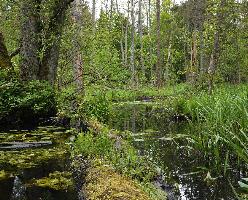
(163, 138)
(36, 165)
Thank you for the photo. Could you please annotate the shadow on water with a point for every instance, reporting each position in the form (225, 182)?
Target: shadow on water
(36, 165)
(157, 135)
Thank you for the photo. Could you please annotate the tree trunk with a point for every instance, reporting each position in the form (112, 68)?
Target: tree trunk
(132, 57)
(141, 38)
(78, 61)
(122, 48)
(94, 13)
(30, 39)
(158, 67)
(202, 68)
(193, 60)
(216, 47)
(49, 63)
(5, 60)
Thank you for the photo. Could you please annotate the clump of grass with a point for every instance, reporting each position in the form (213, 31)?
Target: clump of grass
(222, 125)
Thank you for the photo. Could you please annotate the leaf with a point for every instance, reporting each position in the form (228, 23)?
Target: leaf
(243, 185)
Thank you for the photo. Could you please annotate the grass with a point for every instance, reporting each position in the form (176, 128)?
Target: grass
(219, 127)
(130, 94)
(222, 125)
(118, 157)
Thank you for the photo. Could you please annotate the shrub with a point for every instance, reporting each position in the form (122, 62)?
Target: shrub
(95, 106)
(20, 101)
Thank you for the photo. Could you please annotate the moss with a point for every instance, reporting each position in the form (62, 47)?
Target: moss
(56, 181)
(102, 182)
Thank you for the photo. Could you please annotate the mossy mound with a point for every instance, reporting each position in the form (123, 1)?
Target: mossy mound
(102, 182)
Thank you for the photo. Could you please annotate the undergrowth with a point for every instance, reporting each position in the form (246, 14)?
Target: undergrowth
(115, 149)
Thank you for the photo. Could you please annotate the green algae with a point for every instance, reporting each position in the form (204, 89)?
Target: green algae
(56, 181)
(4, 175)
(30, 157)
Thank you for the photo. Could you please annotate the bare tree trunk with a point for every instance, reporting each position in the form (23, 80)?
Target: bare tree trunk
(78, 61)
(158, 67)
(5, 60)
(193, 60)
(126, 37)
(31, 42)
(117, 6)
(141, 37)
(126, 45)
(149, 34)
(111, 8)
(122, 48)
(94, 11)
(168, 62)
(202, 68)
(132, 57)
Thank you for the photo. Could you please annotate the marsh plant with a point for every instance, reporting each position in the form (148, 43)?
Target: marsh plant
(219, 126)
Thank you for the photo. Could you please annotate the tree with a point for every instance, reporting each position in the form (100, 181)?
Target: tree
(214, 58)
(40, 40)
(158, 67)
(5, 60)
(132, 57)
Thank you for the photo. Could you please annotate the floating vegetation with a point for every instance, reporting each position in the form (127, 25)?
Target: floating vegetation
(4, 175)
(28, 157)
(56, 181)
(31, 157)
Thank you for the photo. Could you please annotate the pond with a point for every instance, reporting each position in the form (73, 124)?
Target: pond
(35, 165)
(164, 139)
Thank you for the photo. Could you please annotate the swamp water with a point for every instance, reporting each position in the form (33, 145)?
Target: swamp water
(35, 165)
(164, 140)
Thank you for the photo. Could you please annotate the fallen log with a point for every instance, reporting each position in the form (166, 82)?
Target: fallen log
(23, 145)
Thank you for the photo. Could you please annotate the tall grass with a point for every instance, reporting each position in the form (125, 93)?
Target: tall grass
(222, 118)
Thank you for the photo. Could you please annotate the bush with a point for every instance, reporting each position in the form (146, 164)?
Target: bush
(25, 101)
(95, 106)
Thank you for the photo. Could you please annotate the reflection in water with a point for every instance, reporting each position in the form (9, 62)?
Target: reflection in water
(163, 140)
(18, 192)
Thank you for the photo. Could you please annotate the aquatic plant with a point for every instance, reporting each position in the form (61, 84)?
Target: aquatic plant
(219, 126)
(56, 181)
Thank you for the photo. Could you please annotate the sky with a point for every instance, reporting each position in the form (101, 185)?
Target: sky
(121, 3)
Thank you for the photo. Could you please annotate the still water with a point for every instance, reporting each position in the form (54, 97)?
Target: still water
(35, 165)
(165, 140)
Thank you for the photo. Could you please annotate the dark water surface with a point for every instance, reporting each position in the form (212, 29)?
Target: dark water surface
(164, 139)
(34, 165)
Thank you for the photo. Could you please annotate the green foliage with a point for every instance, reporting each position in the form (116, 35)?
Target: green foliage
(124, 159)
(95, 106)
(21, 98)
(243, 184)
(220, 125)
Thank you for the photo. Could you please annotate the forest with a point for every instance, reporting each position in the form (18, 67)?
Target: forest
(123, 99)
